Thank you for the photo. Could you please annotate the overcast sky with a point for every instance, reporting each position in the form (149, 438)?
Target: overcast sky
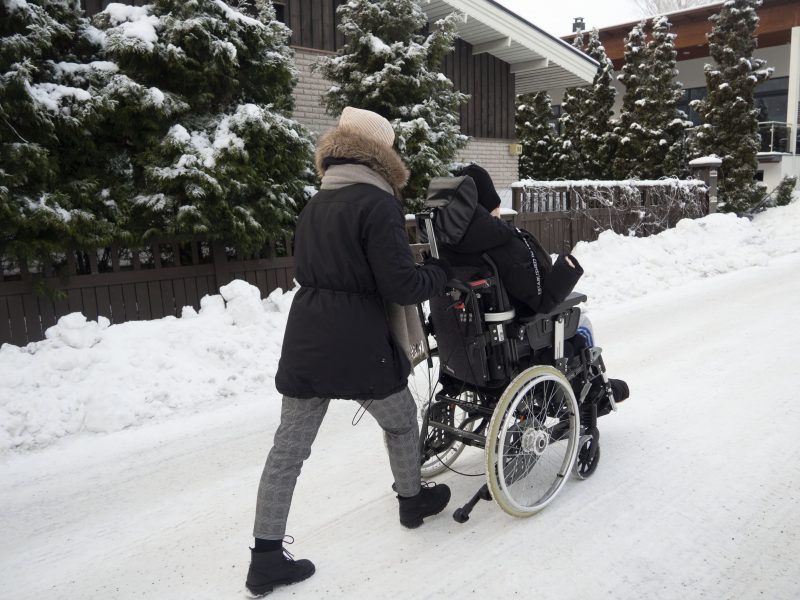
(556, 16)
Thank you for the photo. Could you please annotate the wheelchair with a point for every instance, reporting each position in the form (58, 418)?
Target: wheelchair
(524, 388)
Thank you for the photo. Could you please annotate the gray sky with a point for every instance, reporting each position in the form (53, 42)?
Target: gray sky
(556, 16)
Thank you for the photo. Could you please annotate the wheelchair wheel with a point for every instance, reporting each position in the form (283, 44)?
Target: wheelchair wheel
(424, 385)
(588, 457)
(532, 441)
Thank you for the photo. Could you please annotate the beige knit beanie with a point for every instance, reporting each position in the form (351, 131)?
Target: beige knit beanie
(368, 124)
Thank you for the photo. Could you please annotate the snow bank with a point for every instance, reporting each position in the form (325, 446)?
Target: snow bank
(619, 268)
(91, 377)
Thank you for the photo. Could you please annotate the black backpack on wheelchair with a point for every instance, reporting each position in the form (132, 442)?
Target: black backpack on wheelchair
(518, 387)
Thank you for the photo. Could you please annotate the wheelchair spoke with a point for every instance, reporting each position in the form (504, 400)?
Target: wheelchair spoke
(531, 446)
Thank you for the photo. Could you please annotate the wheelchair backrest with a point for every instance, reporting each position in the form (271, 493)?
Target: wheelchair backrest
(470, 325)
(453, 199)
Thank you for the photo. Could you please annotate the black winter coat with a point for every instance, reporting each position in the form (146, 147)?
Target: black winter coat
(351, 257)
(538, 288)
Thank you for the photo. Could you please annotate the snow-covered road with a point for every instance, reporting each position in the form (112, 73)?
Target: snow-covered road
(696, 494)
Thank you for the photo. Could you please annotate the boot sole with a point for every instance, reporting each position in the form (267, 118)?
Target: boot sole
(413, 524)
(258, 591)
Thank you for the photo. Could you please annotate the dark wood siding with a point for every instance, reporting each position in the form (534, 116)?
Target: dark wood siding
(313, 23)
(490, 84)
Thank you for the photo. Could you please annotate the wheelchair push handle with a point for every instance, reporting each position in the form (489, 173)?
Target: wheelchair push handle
(428, 220)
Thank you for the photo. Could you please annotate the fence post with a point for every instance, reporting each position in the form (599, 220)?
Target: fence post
(516, 204)
(707, 169)
(222, 272)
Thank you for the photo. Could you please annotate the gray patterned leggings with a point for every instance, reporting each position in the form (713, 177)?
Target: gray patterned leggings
(300, 421)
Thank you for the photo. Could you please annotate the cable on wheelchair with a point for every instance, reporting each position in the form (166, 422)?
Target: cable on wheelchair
(363, 406)
(470, 297)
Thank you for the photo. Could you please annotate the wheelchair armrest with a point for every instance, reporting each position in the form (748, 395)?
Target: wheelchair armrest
(539, 330)
(569, 302)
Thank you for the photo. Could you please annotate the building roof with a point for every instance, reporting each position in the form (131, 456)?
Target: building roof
(539, 61)
(776, 19)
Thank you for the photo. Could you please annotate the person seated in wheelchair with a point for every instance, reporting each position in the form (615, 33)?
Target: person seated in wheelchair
(534, 283)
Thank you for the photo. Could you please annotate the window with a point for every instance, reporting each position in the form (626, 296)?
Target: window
(690, 94)
(555, 113)
(280, 11)
(770, 98)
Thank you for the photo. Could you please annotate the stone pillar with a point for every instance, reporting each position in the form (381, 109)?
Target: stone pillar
(707, 169)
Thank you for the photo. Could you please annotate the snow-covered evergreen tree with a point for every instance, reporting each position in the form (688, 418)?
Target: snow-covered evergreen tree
(599, 141)
(51, 105)
(536, 136)
(390, 64)
(567, 160)
(629, 130)
(665, 152)
(217, 154)
(587, 143)
(730, 119)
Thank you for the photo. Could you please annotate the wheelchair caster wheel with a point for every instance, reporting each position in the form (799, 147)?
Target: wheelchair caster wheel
(588, 457)
(459, 516)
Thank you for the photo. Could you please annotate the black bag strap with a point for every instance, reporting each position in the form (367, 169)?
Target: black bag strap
(534, 261)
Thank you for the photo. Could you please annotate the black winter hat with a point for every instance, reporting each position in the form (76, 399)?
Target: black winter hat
(487, 195)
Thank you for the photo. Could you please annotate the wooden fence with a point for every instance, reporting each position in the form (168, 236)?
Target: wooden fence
(562, 213)
(127, 285)
(122, 284)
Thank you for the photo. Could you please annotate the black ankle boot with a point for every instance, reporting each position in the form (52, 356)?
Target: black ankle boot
(621, 392)
(431, 500)
(277, 567)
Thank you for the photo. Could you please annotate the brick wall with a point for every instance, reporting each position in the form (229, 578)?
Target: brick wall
(308, 93)
(491, 154)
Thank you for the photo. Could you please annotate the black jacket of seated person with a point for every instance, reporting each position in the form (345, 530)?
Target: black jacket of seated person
(534, 284)
(351, 257)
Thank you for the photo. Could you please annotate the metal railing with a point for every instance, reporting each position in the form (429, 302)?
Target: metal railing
(776, 137)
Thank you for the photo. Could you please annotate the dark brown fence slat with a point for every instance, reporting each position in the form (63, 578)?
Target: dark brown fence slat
(19, 336)
(167, 299)
(192, 297)
(103, 302)
(156, 249)
(261, 283)
(74, 301)
(179, 293)
(132, 312)
(5, 321)
(114, 257)
(47, 313)
(117, 301)
(156, 307)
(203, 286)
(89, 303)
(32, 322)
(272, 279)
(143, 301)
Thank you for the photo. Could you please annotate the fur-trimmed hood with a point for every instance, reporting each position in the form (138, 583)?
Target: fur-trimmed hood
(341, 143)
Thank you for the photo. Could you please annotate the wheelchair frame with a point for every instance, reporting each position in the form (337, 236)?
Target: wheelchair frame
(512, 391)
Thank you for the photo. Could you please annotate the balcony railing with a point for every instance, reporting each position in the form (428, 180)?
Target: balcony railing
(775, 136)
